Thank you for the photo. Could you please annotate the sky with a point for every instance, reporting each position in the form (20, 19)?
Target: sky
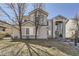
(67, 10)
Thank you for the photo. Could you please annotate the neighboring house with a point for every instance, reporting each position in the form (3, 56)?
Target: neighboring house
(57, 27)
(2, 31)
(70, 28)
(5, 29)
(61, 25)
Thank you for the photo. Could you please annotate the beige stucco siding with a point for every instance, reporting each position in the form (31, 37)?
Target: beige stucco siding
(43, 33)
(70, 28)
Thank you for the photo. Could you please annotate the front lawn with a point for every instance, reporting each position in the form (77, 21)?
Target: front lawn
(36, 48)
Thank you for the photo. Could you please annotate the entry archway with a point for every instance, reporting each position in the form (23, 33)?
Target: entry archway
(59, 29)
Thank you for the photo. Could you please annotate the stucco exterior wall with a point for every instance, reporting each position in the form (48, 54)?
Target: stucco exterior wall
(43, 33)
(70, 28)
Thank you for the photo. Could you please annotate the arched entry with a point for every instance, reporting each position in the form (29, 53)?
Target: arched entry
(59, 29)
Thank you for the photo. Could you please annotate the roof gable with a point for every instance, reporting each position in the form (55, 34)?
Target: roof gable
(60, 17)
(40, 10)
(28, 22)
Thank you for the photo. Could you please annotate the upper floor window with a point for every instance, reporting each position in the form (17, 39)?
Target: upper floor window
(42, 19)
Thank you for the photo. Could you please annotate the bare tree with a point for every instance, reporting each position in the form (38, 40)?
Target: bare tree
(76, 30)
(37, 19)
(38, 7)
(18, 11)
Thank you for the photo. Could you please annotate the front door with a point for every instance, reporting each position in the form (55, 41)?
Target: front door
(27, 33)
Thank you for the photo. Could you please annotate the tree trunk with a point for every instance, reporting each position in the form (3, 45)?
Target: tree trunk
(76, 38)
(20, 31)
(75, 42)
(36, 33)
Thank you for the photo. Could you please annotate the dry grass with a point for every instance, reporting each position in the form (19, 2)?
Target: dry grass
(36, 48)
